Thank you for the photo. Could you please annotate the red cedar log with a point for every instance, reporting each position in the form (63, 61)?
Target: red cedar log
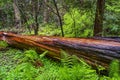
(94, 51)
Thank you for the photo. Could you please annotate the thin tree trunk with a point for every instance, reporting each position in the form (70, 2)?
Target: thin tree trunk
(23, 15)
(46, 12)
(17, 15)
(60, 20)
(36, 12)
(98, 26)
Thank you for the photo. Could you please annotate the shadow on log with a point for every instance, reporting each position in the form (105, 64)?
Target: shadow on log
(95, 51)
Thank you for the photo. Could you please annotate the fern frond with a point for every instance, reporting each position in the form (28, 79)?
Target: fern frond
(68, 60)
(43, 54)
(114, 69)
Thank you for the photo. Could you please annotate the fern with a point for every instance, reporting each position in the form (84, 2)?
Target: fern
(114, 69)
(31, 54)
(68, 60)
(43, 54)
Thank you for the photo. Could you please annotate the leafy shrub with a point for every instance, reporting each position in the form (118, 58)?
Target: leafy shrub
(112, 17)
(50, 30)
(114, 71)
(78, 24)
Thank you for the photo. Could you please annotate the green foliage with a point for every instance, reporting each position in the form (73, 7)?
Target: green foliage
(8, 62)
(4, 2)
(49, 71)
(50, 30)
(6, 13)
(70, 68)
(75, 69)
(68, 60)
(113, 6)
(86, 4)
(77, 72)
(3, 44)
(114, 71)
(43, 54)
(100, 68)
(112, 17)
(78, 24)
(24, 71)
(31, 55)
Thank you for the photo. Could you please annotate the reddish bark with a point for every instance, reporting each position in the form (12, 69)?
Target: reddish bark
(94, 51)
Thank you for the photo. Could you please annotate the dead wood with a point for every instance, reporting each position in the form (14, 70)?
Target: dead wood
(95, 51)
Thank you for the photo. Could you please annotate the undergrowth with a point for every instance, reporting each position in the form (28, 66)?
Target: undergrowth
(3, 44)
(28, 65)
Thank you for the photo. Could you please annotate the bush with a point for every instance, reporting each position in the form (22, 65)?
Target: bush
(78, 24)
(50, 30)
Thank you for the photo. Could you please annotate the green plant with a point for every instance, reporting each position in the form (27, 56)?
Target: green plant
(43, 54)
(3, 44)
(70, 68)
(50, 30)
(111, 22)
(3, 73)
(114, 71)
(31, 55)
(78, 23)
(75, 68)
(28, 67)
(24, 71)
(68, 60)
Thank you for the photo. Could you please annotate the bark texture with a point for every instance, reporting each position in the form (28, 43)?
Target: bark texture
(98, 26)
(59, 17)
(17, 15)
(95, 51)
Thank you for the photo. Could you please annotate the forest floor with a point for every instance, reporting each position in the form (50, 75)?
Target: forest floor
(18, 64)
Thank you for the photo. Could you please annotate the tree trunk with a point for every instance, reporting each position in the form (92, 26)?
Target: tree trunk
(17, 15)
(60, 20)
(98, 25)
(95, 51)
(23, 16)
(36, 12)
(46, 12)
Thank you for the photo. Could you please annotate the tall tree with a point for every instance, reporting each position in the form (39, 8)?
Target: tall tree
(98, 25)
(46, 12)
(59, 17)
(17, 14)
(36, 7)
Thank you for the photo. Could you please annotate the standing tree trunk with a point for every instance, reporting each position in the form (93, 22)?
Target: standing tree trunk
(17, 15)
(36, 12)
(46, 12)
(99, 18)
(24, 17)
(60, 20)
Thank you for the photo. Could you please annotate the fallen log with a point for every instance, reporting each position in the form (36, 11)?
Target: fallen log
(93, 51)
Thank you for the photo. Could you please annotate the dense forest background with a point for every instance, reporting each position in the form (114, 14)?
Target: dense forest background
(69, 18)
